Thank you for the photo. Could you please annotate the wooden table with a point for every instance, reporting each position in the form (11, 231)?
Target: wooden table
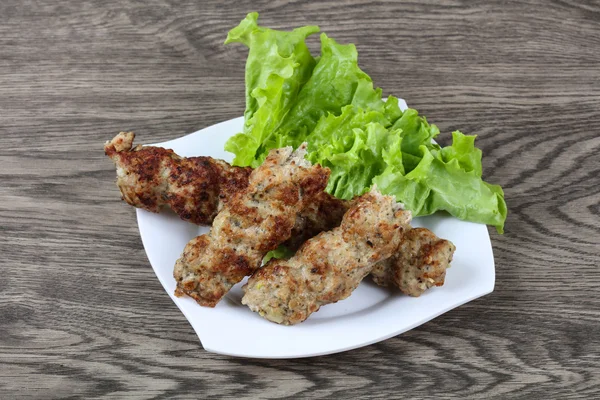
(81, 312)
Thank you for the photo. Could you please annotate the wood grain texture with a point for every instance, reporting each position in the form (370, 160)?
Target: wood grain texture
(81, 312)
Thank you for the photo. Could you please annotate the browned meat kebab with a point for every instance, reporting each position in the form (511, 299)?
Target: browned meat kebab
(328, 267)
(194, 188)
(253, 222)
(419, 264)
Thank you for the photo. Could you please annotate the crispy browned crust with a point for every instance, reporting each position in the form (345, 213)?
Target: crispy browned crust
(152, 177)
(419, 264)
(255, 221)
(323, 214)
(210, 183)
(328, 267)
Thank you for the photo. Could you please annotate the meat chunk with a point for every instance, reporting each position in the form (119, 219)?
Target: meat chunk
(253, 222)
(197, 187)
(328, 267)
(152, 177)
(419, 263)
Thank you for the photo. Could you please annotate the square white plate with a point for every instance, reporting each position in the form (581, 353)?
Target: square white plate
(370, 315)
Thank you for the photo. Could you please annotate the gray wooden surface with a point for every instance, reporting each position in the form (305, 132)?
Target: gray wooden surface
(82, 314)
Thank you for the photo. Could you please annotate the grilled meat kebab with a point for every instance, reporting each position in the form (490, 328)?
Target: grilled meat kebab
(251, 223)
(328, 267)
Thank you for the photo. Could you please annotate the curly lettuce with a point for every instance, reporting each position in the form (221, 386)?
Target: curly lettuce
(278, 65)
(332, 104)
(450, 181)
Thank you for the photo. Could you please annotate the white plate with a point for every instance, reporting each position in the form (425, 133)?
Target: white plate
(370, 315)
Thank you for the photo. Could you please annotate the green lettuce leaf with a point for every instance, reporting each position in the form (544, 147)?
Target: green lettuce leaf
(416, 133)
(351, 145)
(464, 151)
(280, 252)
(437, 184)
(278, 65)
(331, 86)
(336, 81)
